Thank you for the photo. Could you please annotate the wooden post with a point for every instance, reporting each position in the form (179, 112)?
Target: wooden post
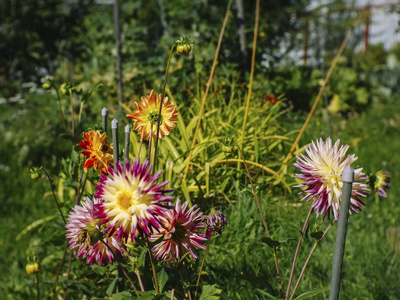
(305, 49)
(118, 48)
(366, 27)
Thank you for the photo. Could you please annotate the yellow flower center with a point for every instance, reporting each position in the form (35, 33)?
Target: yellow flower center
(124, 200)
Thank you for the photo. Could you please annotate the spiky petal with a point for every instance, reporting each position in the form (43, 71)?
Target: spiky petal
(83, 232)
(146, 116)
(132, 203)
(322, 170)
(180, 232)
(98, 151)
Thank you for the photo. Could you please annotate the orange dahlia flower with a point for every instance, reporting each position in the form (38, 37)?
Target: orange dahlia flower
(146, 115)
(98, 151)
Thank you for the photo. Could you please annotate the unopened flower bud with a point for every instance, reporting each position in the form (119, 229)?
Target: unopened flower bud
(215, 223)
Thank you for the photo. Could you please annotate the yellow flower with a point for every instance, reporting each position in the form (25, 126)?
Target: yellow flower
(146, 116)
(98, 151)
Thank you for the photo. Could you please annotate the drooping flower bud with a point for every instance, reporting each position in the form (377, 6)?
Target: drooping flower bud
(215, 223)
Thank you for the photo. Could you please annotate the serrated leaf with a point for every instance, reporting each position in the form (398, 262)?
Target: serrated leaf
(125, 295)
(210, 292)
(270, 242)
(162, 278)
(148, 295)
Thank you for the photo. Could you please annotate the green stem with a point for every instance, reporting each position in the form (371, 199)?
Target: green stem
(37, 287)
(121, 267)
(153, 267)
(278, 273)
(150, 140)
(139, 279)
(68, 273)
(161, 104)
(54, 194)
(60, 269)
(81, 189)
(127, 276)
(59, 103)
(201, 268)
(72, 114)
(308, 259)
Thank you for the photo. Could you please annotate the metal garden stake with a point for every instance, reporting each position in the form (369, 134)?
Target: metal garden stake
(348, 178)
(127, 136)
(114, 127)
(104, 113)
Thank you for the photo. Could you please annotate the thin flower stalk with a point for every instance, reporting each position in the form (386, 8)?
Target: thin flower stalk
(59, 270)
(263, 219)
(208, 87)
(161, 104)
(122, 268)
(54, 194)
(37, 287)
(153, 267)
(309, 257)
(59, 103)
(253, 58)
(201, 268)
(321, 90)
(72, 114)
(68, 273)
(81, 189)
(297, 250)
(139, 279)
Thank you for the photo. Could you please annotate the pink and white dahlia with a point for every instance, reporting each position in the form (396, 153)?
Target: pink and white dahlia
(132, 203)
(322, 172)
(84, 233)
(180, 231)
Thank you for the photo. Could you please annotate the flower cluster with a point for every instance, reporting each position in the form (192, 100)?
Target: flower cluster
(322, 172)
(131, 204)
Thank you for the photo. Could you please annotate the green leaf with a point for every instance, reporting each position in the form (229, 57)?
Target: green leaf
(317, 235)
(142, 258)
(148, 295)
(306, 231)
(312, 294)
(125, 295)
(162, 278)
(270, 242)
(210, 292)
(111, 287)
